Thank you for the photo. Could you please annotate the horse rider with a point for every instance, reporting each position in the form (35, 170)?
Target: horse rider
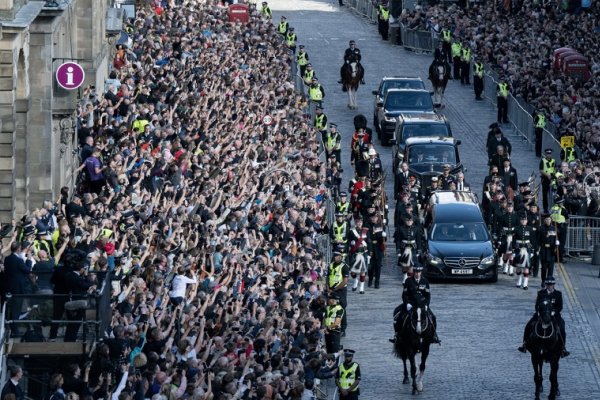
(560, 217)
(265, 11)
(416, 287)
(554, 297)
(302, 59)
(320, 121)
(440, 57)
(375, 167)
(348, 377)
(338, 274)
(360, 244)
(456, 50)
(316, 92)
(503, 91)
(383, 20)
(547, 169)
(378, 239)
(465, 65)
(478, 71)
(308, 74)
(334, 315)
(343, 206)
(548, 241)
(522, 237)
(291, 39)
(352, 54)
(411, 237)
(283, 26)
(506, 226)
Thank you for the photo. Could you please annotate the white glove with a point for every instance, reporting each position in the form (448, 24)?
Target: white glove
(552, 313)
(557, 242)
(408, 307)
(426, 307)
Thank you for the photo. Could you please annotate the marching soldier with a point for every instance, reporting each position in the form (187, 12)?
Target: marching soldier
(560, 217)
(548, 240)
(502, 99)
(348, 377)
(456, 54)
(302, 60)
(378, 239)
(478, 72)
(465, 65)
(445, 178)
(534, 220)
(283, 26)
(540, 123)
(337, 283)
(547, 169)
(506, 226)
(320, 121)
(522, 237)
(554, 297)
(411, 237)
(334, 314)
(375, 167)
(360, 245)
(291, 38)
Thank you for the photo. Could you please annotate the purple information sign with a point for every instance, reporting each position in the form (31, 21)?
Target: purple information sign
(70, 75)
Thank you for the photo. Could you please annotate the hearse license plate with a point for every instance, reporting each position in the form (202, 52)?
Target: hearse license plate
(462, 271)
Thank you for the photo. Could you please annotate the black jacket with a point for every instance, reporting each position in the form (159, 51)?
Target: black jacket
(412, 288)
(555, 298)
(16, 273)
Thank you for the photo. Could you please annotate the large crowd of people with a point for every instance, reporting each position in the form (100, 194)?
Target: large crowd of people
(203, 213)
(517, 40)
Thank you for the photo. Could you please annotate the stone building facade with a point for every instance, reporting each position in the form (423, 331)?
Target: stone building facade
(37, 117)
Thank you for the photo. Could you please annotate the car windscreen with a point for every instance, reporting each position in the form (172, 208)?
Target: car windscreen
(431, 154)
(423, 129)
(408, 101)
(403, 84)
(460, 232)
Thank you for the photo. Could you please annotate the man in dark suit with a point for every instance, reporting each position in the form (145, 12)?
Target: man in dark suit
(461, 184)
(17, 268)
(12, 385)
(78, 284)
(509, 175)
(402, 178)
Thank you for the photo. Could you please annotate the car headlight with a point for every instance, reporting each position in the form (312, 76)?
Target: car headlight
(388, 118)
(487, 261)
(433, 260)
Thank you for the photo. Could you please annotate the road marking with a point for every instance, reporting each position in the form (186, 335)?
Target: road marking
(322, 37)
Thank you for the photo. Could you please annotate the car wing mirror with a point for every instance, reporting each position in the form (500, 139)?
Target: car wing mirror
(380, 104)
(375, 92)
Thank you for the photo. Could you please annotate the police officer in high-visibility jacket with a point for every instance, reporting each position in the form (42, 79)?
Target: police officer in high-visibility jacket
(478, 71)
(334, 314)
(456, 53)
(465, 65)
(503, 90)
(320, 120)
(339, 231)
(316, 93)
(308, 74)
(547, 169)
(265, 11)
(446, 38)
(291, 38)
(568, 154)
(283, 26)
(383, 20)
(338, 275)
(302, 60)
(333, 143)
(348, 377)
(560, 217)
(539, 123)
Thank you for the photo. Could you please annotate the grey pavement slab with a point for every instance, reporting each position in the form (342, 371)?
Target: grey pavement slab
(480, 324)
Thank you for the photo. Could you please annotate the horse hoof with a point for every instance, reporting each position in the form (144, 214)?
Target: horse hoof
(414, 391)
(419, 387)
(405, 381)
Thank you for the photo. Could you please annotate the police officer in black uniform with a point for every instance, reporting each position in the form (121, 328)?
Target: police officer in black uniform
(416, 286)
(378, 239)
(554, 297)
(547, 240)
(352, 54)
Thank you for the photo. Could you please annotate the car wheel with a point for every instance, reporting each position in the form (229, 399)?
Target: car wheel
(494, 278)
(376, 125)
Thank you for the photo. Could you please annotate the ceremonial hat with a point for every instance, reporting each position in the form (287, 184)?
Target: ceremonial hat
(349, 353)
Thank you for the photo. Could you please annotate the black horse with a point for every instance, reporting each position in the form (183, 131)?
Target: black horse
(414, 335)
(545, 345)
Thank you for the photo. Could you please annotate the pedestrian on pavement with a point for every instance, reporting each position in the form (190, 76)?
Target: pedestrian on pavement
(12, 387)
(320, 120)
(348, 378)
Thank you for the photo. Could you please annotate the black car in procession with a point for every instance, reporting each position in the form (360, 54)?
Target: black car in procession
(459, 245)
(393, 82)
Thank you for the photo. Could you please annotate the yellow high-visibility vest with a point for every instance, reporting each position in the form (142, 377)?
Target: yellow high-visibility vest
(548, 166)
(301, 58)
(569, 154)
(541, 122)
(315, 93)
(557, 215)
(320, 122)
(446, 35)
(456, 49)
(330, 314)
(479, 70)
(343, 207)
(291, 39)
(339, 232)
(348, 376)
(385, 14)
(282, 28)
(308, 76)
(466, 54)
(335, 275)
(503, 90)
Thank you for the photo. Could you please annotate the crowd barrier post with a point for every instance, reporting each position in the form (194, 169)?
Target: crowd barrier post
(582, 234)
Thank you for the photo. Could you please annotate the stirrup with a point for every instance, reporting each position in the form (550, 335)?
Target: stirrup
(522, 348)
(392, 340)
(564, 353)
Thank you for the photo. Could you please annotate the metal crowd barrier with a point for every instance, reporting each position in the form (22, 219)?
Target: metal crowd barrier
(418, 41)
(583, 233)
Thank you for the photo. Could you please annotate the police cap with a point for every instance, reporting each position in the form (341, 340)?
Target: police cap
(548, 151)
(332, 125)
(343, 194)
(434, 179)
(418, 268)
(349, 353)
(352, 42)
(319, 108)
(336, 253)
(546, 215)
(291, 28)
(550, 280)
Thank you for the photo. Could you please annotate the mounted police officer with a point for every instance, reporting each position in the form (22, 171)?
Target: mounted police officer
(554, 297)
(360, 245)
(547, 169)
(334, 315)
(348, 377)
(352, 54)
(522, 237)
(338, 274)
(416, 287)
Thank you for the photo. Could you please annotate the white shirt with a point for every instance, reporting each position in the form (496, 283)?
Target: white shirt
(179, 284)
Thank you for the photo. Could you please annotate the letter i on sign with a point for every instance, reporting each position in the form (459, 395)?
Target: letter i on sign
(70, 76)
